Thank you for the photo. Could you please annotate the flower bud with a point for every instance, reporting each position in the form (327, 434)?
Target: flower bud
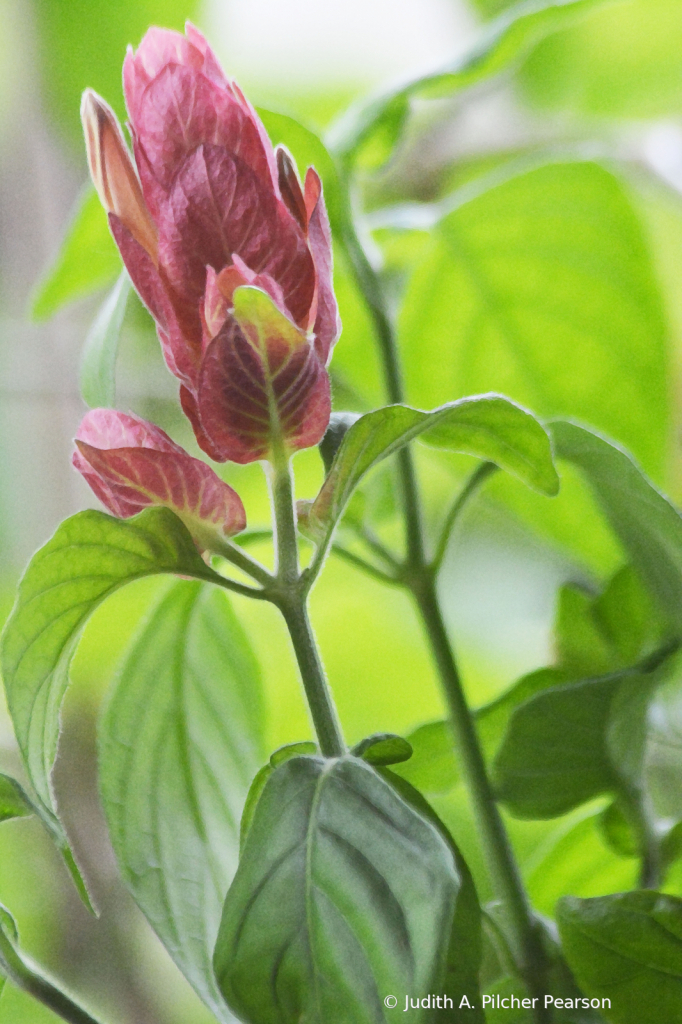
(112, 171)
(229, 253)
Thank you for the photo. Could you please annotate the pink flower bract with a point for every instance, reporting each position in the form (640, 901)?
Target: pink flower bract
(131, 464)
(217, 210)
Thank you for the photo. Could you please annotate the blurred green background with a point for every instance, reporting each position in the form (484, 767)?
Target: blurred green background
(610, 89)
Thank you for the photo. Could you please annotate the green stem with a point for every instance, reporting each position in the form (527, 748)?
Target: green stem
(475, 481)
(420, 578)
(360, 563)
(315, 683)
(507, 882)
(27, 977)
(290, 598)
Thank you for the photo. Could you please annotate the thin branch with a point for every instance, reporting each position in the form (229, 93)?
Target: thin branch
(475, 481)
(367, 567)
(251, 566)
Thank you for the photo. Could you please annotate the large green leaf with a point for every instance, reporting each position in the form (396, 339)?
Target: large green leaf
(98, 361)
(179, 744)
(621, 62)
(90, 556)
(500, 46)
(344, 895)
(554, 754)
(647, 525)
(488, 426)
(542, 288)
(627, 949)
(87, 260)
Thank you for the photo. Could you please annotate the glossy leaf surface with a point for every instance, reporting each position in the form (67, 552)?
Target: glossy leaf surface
(343, 895)
(627, 948)
(179, 744)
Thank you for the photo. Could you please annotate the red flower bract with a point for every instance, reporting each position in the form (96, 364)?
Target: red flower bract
(215, 211)
(132, 464)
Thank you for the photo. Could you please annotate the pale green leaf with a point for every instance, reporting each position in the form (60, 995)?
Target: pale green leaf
(488, 426)
(179, 743)
(90, 556)
(98, 361)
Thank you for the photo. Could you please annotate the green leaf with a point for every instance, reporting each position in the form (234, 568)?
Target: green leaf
(465, 945)
(343, 895)
(14, 803)
(488, 426)
(308, 150)
(580, 645)
(627, 949)
(663, 752)
(500, 46)
(9, 940)
(621, 63)
(90, 556)
(645, 522)
(383, 749)
(98, 362)
(88, 260)
(434, 768)
(554, 755)
(543, 289)
(617, 828)
(83, 43)
(179, 742)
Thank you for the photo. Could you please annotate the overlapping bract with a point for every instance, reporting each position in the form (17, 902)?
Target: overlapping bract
(131, 464)
(215, 211)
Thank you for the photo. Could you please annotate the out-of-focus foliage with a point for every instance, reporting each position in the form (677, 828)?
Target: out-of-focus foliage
(81, 45)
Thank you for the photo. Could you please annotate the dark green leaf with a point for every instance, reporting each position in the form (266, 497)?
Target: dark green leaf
(253, 796)
(339, 424)
(543, 289)
(98, 362)
(383, 749)
(554, 756)
(500, 46)
(180, 740)
(14, 803)
(433, 767)
(647, 525)
(88, 259)
(580, 644)
(299, 749)
(489, 427)
(617, 829)
(627, 949)
(308, 150)
(90, 556)
(343, 895)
